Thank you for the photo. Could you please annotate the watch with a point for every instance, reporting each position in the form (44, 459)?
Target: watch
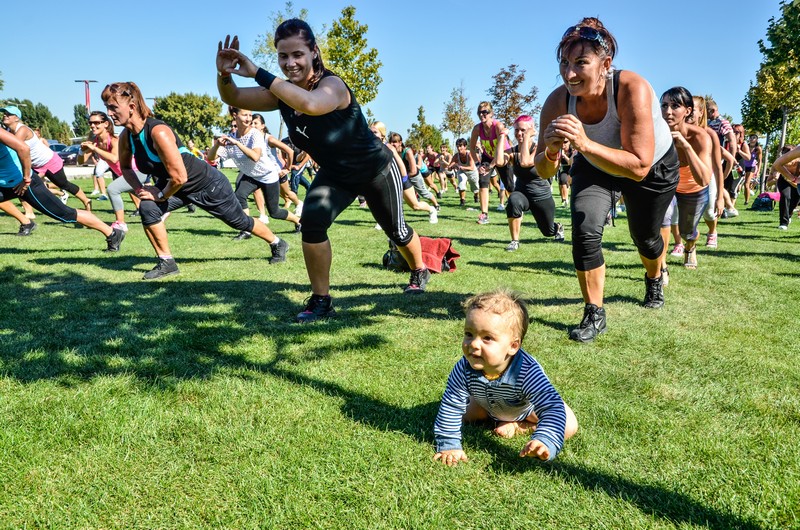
(160, 195)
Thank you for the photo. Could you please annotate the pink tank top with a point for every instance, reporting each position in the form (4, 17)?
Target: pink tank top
(115, 168)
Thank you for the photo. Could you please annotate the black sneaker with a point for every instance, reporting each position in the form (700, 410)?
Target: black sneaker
(418, 282)
(165, 267)
(114, 240)
(241, 236)
(278, 251)
(191, 208)
(592, 325)
(559, 233)
(317, 308)
(654, 292)
(25, 230)
(297, 228)
(135, 213)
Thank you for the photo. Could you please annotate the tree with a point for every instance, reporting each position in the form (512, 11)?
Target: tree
(783, 35)
(423, 133)
(192, 116)
(507, 100)
(80, 124)
(1, 81)
(38, 116)
(456, 117)
(349, 57)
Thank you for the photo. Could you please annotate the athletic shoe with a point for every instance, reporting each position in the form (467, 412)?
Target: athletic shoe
(564, 203)
(165, 267)
(732, 212)
(297, 228)
(241, 236)
(483, 219)
(462, 203)
(25, 230)
(438, 194)
(317, 308)
(120, 226)
(264, 219)
(677, 250)
(514, 245)
(654, 292)
(114, 240)
(781, 227)
(278, 252)
(501, 207)
(559, 237)
(592, 324)
(711, 240)
(103, 197)
(438, 207)
(724, 214)
(298, 210)
(475, 197)
(64, 197)
(94, 193)
(434, 217)
(135, 213)
(418, 281)
(191, 208)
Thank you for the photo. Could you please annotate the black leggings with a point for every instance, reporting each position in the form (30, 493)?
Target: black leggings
(328, 196)
(272, 194)
(594, 193)
(216, 197)
(542, 208)
(38, 196)
(790, 197)
(59, 178)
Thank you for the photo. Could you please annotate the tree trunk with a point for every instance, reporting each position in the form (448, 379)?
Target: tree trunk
(784, 121)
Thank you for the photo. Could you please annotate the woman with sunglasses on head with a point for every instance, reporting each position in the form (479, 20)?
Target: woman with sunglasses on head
(325, 120)
(487, 134)
(260, 171)
(44, 160)
(105, 147)
(694, 152)
(613, 121)
(18, 181)
(181, 178)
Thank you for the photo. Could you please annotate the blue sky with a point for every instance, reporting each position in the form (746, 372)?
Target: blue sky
(427, 48)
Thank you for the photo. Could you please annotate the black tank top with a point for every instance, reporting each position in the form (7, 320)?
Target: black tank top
(148, 161)
(339, 141)
(527, 177)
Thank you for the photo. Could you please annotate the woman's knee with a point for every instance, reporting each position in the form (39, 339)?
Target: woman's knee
(150, 212)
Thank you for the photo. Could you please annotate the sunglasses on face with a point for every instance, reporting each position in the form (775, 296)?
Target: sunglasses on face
(484, 112)
(96, 123)
(587, 33)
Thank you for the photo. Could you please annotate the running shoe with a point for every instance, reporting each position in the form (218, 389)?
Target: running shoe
(25, 230)
(103, 197)
(94, 193)
(114, 240)
(462, 203)
(559, 237)
(438, 194)
(514, 245)
(677, 250)
(241, 236)
(297, 228)
(298, 210)
(278, 251)
(592, 324)
(191, 208)
(654, 292)
(264, 219)
(564, 203)
(711, 240)
(135, 213)
(483, 219)
(120, 226)
(317, 307)
(418, 281)
(732, 212)
(64, 197)
(164, 268)
(781, 227)
(474, 197)
(434, 217)
(501, 207)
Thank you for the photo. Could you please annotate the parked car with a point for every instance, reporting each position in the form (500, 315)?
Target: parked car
(56, 146)
(70, 154)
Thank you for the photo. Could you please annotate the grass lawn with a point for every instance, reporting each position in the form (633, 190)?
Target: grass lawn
(196, 402)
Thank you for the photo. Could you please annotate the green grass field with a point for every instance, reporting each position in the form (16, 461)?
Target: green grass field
(196, 402)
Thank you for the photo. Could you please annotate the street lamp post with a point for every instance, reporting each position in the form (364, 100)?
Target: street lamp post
(86, 88)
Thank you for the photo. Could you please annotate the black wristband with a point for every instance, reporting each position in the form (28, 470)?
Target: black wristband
(264, 78)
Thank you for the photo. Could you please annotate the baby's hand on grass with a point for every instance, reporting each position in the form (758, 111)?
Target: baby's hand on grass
(536, 449)
(451, 457)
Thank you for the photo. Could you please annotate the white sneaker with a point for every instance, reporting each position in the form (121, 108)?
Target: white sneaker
(298, 210)
(501, 207)
(434, 217)
(64, 197)
(120, 226)
(783, 227)
(264, 219)
(378, 227)
(95, 193)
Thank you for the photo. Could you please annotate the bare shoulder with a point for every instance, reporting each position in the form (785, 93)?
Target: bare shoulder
(554, 106)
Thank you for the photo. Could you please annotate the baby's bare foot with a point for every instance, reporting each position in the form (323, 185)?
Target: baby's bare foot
(509, 429)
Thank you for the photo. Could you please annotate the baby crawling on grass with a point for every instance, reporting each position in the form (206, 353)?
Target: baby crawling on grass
(498, 380)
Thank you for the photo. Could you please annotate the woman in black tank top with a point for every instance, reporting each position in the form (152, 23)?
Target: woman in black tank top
(325, 120)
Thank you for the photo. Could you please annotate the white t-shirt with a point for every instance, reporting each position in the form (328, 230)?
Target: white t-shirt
(265, 170)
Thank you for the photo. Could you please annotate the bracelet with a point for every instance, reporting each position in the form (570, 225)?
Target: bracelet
(265, 78)
(223, 74)
(547, 154)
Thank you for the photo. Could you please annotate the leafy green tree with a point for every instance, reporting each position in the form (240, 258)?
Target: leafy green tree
(456, 117)
(38, 116)
(80, 125)
(507, 99)
(2, 84)
(193, 116)
(783, 34)
(348, 56)
(423, 133)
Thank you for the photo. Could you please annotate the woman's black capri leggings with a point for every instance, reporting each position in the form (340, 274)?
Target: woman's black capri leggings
(38, 196)
(272, 194)
(593, 195)
(59, 178)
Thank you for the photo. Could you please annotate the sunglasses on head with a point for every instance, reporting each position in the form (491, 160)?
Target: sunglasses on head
(587, 33)
(116, 89)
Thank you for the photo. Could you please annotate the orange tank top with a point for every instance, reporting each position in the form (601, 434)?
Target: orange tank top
(687, 184)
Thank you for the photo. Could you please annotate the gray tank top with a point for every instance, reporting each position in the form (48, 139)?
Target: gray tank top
(606, 131)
